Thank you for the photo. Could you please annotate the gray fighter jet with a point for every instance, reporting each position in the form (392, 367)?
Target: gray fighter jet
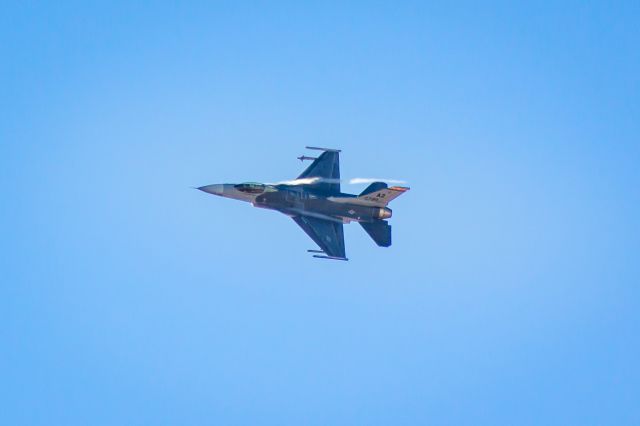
(314, 201)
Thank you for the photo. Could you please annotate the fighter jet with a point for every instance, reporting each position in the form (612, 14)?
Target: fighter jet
(315, 202)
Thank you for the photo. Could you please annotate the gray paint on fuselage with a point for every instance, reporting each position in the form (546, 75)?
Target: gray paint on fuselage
(295, 200)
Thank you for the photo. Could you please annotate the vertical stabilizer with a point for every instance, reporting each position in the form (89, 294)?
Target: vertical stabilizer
(380, 196)
(375, 186)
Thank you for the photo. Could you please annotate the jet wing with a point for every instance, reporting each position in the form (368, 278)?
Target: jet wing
(326, 234)
(327, 168)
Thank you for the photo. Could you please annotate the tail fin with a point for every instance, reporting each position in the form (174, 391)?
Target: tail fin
(375, 186)
(379, 231)
(378, 194)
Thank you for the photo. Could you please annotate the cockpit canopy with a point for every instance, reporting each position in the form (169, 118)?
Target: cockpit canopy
(250, 188)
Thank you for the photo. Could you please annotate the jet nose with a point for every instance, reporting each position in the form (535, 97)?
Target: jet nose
(213, 189)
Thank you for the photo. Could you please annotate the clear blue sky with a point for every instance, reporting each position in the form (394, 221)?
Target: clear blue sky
(510, 297)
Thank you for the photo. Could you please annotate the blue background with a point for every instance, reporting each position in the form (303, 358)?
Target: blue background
(510, 295)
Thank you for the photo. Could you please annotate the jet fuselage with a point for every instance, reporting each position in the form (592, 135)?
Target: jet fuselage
(294, 200)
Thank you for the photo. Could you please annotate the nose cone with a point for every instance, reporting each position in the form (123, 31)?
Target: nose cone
(213, 189)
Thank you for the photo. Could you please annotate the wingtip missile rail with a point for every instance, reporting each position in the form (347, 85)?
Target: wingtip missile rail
(317, 256)
(315, 148)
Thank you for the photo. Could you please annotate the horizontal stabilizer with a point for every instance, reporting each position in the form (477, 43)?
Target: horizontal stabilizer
(379, 231)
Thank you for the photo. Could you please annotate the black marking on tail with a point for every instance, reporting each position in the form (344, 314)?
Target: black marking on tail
(375, 186)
